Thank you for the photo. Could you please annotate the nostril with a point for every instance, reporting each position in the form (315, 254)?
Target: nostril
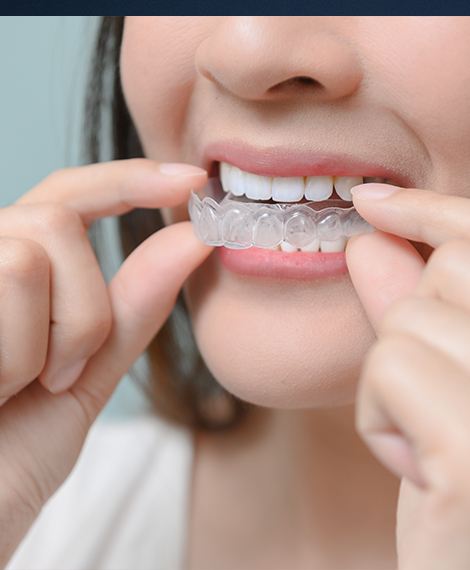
(305, 80)
(300, 80)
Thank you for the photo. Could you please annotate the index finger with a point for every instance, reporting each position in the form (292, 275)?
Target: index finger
(415, 214)
(383, 268)
(116, 187)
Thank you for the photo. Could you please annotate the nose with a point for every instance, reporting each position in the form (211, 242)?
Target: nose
(278, 57)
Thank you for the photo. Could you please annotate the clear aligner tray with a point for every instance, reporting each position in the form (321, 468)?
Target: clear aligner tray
(223, 219)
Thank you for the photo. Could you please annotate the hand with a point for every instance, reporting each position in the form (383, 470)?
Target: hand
(60, 322)
(413, 404)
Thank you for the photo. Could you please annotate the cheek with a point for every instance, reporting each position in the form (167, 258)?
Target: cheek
(157, 75)
(420, 66)
(279, 345)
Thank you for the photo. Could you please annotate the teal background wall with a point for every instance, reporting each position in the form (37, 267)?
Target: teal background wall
(43, 72)
(43, 67)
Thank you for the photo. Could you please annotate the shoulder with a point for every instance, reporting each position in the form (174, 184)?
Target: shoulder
(132, 477)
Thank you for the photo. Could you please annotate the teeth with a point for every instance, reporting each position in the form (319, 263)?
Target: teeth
(288, 188)
(257, 187)
(324, 246)
(343, 185)
(314, 246)
(286, 246)
(318, 188)
(333, 246)
(225, 174)
(237, 179)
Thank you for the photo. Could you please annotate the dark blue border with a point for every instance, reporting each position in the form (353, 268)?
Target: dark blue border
(262, 7)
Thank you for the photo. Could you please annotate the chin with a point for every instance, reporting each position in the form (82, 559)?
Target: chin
(279, 343)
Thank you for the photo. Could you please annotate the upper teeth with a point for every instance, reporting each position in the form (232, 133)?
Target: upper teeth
(285, 188)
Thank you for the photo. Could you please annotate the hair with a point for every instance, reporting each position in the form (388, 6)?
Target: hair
(177, 380)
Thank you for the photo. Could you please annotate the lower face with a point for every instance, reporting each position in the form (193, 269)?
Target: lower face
(274, 338)
(279, 342)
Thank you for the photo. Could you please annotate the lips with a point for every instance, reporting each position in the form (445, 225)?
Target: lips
(283, 161)
(257, 262)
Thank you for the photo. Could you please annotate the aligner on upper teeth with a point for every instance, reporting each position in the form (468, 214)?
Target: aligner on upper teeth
(239, 224)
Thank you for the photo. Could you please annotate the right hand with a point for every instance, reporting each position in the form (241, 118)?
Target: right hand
(57, 313)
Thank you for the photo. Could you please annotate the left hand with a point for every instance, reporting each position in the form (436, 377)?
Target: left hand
(413, 400)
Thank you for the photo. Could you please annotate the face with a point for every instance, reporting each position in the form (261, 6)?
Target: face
(383, 95)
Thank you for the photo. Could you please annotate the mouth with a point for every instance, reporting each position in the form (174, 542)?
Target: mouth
(328, 198)
(277, 176)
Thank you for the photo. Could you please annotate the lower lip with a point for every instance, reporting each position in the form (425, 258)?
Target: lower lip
(260, 262)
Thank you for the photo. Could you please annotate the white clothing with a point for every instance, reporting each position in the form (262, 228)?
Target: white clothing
(123, 507)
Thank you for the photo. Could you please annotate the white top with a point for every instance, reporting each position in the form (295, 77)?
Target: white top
(123, 507)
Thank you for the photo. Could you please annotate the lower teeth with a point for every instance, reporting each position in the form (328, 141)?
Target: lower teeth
(325, 246)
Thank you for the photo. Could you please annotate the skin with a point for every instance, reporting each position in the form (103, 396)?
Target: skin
(207, 78)
(50, 281)
(361, 437)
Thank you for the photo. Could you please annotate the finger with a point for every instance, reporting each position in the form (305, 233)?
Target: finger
(447, 274)
(438, 324)
(113, 188)
(142, 295)
(80, 313)
(414, 214)
(383, 268)
(24, 313)
(416, 393)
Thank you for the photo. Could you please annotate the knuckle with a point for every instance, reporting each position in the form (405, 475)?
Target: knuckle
(58, 218)
(450, 486)
(376, 378)
(403, 313)
(398, 313)
(56, 177)
(22, 258)
(14, 376)
(380, 365)
(449, 255)
(92, 331)
(101, 327)
(380, 357)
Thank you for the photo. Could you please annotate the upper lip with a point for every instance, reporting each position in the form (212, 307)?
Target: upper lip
(283, 161)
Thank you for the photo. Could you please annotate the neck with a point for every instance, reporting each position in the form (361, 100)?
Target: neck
(308, 480)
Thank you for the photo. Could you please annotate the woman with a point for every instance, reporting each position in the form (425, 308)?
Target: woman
(346, 384)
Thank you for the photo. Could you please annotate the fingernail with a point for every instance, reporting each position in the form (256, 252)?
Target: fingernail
(65, 377)
(180, 169)
(372, 191)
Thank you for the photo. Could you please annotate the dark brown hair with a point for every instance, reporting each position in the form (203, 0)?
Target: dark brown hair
(178, 382)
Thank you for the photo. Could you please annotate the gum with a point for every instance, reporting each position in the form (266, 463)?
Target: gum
(237, 223)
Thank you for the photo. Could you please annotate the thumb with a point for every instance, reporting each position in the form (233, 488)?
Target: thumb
(383, 268)
(142, 295)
